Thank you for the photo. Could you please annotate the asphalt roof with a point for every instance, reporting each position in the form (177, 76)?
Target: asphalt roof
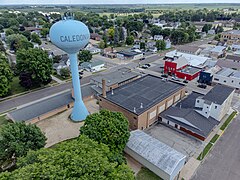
(154, 151)
(128, 53)
(233, 57)
(118, 76)
(218, 94)
(148, 90)
(186, 116)
(46, 105)
(42, 107)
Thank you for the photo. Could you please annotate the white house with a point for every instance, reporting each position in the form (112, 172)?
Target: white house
(227, 76)
(94, 66)
(168, 43)
(158, 37)
(216, 103)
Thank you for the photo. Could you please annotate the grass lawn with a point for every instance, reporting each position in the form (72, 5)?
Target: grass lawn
(3, 120)
(229, 119)
(214, 139)
(16, 87)
(205, 151)
(146, 174)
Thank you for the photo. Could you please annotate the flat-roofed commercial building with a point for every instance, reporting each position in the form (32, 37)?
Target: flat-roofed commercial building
(228, 77)
(232, 36)
(142, 100)
(161, 159)
(114, 79)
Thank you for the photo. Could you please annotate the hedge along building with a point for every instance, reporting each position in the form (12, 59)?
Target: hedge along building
(142, 100)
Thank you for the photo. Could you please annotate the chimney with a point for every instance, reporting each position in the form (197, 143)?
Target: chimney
(104, 88)
(141, 106)
(134, 110)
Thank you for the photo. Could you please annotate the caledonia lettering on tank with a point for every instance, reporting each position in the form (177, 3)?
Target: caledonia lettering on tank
(74, 38)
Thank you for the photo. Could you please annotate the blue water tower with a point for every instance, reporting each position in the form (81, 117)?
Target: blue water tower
(71, 36)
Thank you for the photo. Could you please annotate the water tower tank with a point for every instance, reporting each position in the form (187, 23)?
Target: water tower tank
(71, 36)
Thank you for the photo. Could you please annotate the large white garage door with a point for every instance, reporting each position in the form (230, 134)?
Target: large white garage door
(169, 103)
(177, 97)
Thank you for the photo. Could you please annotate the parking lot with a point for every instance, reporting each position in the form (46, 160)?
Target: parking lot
(181, 142)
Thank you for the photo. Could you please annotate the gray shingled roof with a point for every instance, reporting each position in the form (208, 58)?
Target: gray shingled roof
(187, 117)
(148, 90)
(42, 107)
(47, 105)
(118, 76)
(218, 94)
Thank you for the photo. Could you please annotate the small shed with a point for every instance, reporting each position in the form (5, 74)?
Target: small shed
(160, 158)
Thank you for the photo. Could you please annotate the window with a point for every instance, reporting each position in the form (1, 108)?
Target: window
(100, 99)
(134, 118)
(232, 81)
(205, 112)
(197, 101)
(215, 107)
(224, 81)
(207, 106)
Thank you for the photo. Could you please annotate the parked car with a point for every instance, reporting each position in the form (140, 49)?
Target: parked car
(164, 75)
(81, 73)
(144, 66)
(204, 86)
(80, 77)
(148, 65)
(185, 81)
(142, 58)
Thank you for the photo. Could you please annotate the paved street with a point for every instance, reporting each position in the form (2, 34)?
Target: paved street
(223, 162)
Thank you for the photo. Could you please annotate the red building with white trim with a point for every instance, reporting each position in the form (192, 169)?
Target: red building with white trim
(181, 69)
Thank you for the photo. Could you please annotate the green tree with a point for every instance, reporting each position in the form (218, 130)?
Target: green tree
(81, 158)
(110, 128)
(142, 45)
(17, 139)
(129, 40)
(217, 37)
(27, 34)
(101, 45)
(206, 28)
(84, 56)
(36, 63)
(2, 48)
(6, 76)
(9, 32)
(65, 72)
(160, 45)
(18, 41)
(35, 38)
(110, 33)
(44, 32)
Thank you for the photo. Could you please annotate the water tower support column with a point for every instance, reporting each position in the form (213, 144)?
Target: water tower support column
(79, 112)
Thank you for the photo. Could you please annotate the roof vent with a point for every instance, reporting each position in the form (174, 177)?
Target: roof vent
(109, 81)
(134, 110)
(112, 92)
(141, 106)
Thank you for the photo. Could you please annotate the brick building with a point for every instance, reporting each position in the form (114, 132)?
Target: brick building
(181, 69)
(142, 100)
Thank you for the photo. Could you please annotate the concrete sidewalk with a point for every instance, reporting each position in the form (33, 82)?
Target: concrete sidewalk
(57, 80)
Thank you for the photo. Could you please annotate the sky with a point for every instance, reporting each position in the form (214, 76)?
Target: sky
(3, 2)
